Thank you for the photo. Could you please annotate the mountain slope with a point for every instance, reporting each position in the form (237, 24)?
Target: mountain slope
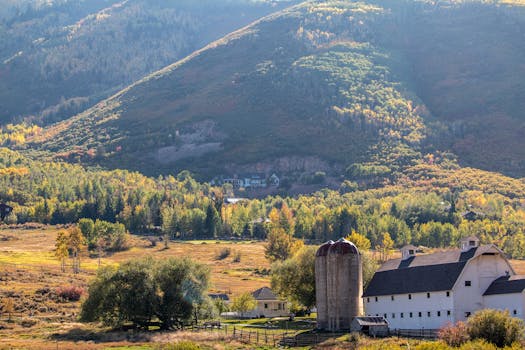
(57, 57)
(320, 86)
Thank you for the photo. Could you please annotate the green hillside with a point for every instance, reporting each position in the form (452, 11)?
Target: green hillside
(323, 85)
(59, 57)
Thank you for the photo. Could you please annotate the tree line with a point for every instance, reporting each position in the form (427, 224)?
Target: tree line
(181, 208)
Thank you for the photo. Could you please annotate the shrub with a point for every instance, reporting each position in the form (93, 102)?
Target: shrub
(28, 322)
(479, 344)
(142, 289)
(223, 254)
(496, 327)
(70, 293)
(454, 334)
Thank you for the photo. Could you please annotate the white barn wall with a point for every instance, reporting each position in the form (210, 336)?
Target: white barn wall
(510, 302)
(481, 271)
(438, 301)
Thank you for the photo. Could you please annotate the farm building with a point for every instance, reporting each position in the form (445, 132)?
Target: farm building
(427, 291)
(338, 285)
(268, 304)
(375, 326)
(220, 296)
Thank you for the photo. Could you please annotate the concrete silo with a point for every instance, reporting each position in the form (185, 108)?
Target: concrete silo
(321, 298)
(340, 296)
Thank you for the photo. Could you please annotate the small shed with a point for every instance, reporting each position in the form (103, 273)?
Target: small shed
(375, 326)
(222, 296)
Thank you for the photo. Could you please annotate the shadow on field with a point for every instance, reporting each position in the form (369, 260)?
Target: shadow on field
(79, 334)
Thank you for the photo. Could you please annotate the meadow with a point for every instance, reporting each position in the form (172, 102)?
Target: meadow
(31, 276)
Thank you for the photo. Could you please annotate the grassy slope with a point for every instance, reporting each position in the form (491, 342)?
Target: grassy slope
(59, 58)
(271, 88)
(330, 80)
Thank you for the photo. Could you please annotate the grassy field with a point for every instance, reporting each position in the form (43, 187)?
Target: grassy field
(30, 276)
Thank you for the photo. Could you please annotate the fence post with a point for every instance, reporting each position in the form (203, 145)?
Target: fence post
(257, 337)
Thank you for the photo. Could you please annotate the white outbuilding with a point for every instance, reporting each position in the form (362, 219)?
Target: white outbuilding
(426, 291)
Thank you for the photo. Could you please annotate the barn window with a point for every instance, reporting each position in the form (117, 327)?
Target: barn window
(392, 297)
(376, 298)
(419, 314)
(367, 300)
(393, 315)
(468, 283)
(428, 313)
(384, 315)
(410, 297)
(514, 312)
(448, 312)
(439, 313)
(448, 294)
(428, 295)
(410, 315)
(467, 314)
(401, 315)
(265, 306)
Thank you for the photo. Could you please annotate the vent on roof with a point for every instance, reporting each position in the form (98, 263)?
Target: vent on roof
(407, 252)
(468, 243)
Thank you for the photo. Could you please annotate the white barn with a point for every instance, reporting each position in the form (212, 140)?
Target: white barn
(428, 291)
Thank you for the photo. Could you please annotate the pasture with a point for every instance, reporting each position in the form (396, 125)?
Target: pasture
(30, 275)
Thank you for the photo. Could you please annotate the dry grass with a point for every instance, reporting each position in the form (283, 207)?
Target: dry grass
(30, 275)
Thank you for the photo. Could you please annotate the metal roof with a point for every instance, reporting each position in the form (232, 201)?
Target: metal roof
(371, 321)
(264, 293)
(506, 285)
(221, 296)
(419, 279)
(423, 273)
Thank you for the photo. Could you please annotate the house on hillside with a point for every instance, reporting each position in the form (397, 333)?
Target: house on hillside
(429, 290)
(274, 180)
(268, 304)
(472, 215)
(247, 181)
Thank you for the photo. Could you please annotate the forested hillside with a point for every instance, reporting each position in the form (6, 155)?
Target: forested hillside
(323, 86)
(59, 57)
(432, 206)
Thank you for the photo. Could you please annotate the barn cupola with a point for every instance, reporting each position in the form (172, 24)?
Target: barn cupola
(408, 251)
(469, 242)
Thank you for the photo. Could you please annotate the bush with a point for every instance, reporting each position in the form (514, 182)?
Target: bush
(140, 290)
(223, 254)
(28, 322)
(454, 335)
(479, 344)
(496, 327)
(70, 293)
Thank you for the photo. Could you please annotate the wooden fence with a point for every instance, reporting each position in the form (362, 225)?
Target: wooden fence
(274, 338)
(269, 337)
(415, 333)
